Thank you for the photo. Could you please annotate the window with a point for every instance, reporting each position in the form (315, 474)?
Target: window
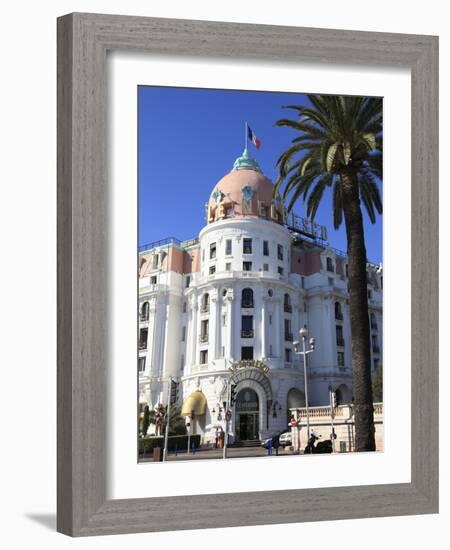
(247, 326)
(153, 280)
(346, 270)
(340, 359)
(203, 357)
(270, 319)
(373, 322)
(287, 303)
(375, 347)
(155, 261)
(246, 266)
(287, 330)
(369, 294)
(203, 255)
(303, 282)
(270, 350)
(247, 298)
(188, 281)
(228, 247)
(330, 281)
(183, 334)
(145, 311)
(227, 266)
(204, 327)
(280, 252)
(339, 335)
(182, 363)
(224, 320)
(288, 355)
(247, 352)
(280, 270)
(305, 307)
(143, 337)
(330, 266)
(265, 267)
(338, 311)
(212, 270)
(212, 251)
(141, 364)
(204, 308)
(184, 307)
(265, 248)
(247, 246)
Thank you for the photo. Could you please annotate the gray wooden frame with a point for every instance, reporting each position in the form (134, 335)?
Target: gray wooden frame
(83, 41)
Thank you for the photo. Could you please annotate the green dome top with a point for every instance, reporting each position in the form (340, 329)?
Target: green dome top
(245, 162)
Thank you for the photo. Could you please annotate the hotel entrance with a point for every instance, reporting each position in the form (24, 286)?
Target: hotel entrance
(247, 415)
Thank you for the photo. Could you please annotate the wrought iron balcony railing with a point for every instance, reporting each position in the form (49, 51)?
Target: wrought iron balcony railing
(247, 333)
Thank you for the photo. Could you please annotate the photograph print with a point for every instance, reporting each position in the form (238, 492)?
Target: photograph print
(260, 301)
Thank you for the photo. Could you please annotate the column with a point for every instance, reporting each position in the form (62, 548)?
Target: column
(212, 325)
(263, 328)
(278, 329)
(218, 335)
(192, 332)
(236, 328)
(229, 331)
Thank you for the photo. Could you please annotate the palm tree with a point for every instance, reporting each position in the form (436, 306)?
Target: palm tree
(339, 146)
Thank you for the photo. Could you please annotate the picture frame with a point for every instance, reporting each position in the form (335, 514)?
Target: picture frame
(83, 508)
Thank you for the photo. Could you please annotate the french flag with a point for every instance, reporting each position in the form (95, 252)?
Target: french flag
(252, 137)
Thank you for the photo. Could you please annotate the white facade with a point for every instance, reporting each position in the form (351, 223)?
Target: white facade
(242, 292)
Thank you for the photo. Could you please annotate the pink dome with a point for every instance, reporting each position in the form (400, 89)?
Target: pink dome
(242, 193)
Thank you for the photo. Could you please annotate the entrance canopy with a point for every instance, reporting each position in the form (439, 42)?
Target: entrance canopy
(196, 403)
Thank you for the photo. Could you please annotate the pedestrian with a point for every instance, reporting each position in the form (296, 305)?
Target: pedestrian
(276, 443)
(216, 438)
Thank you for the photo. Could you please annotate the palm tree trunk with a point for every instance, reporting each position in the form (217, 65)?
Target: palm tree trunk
(359, 314)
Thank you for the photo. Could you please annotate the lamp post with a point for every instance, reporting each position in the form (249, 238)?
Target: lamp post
(303, 333)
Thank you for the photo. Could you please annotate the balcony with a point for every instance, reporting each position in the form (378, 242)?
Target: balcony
(204, 308)
(144, 318)
(339, 316)
(247, 304)
(142, 345)
(340, 342)
(288, 336)
(376, 349)
(287, 308)
(203, 338)
(373, 326)
(247, 333)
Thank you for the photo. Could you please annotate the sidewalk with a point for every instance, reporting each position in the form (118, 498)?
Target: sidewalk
(232, 452)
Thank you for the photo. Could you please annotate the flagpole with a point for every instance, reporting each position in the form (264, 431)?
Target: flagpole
(245, 135)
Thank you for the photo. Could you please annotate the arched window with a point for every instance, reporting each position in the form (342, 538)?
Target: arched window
(338, 311)
(330, 266)
(373, 321)
(205, 303)
(247, 297)
(287, 303)
(184, 307)
(145, 311)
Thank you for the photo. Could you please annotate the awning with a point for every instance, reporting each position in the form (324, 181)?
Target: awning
(195, 402)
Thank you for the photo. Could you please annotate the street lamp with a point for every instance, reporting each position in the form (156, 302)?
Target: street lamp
(303, 333)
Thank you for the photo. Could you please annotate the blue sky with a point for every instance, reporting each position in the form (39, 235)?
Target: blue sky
(189, 139)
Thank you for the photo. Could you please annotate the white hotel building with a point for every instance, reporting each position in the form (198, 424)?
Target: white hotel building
(239, 295)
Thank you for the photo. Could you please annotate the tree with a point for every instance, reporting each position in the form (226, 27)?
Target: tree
(377, 386)
(177, 424)
(339, 147)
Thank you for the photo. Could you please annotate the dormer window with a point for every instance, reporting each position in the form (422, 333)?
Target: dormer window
(330, 266)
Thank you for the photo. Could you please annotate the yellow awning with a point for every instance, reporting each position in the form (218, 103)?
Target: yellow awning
(195, 402)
